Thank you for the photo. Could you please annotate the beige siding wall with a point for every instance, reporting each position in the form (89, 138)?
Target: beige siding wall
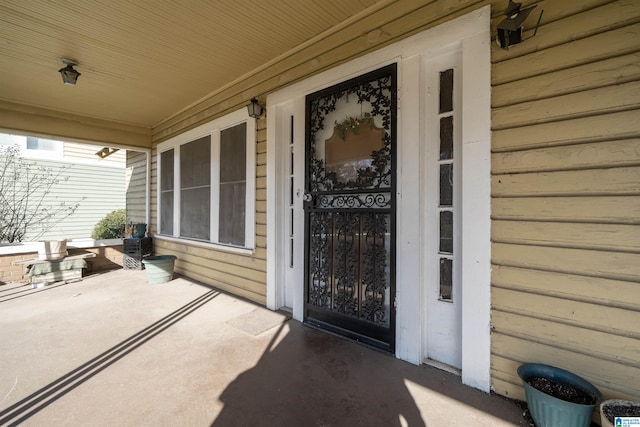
(97, 190)
(136, 186)
(77, 152)
(565, 181)
(566, 198)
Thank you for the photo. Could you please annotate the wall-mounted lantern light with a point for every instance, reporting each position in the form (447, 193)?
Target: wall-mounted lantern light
(510, 30)
(106, 152)
(254, 108)
(69, 75)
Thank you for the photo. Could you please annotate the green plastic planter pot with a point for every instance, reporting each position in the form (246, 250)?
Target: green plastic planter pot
(159, 268)
(549, 411)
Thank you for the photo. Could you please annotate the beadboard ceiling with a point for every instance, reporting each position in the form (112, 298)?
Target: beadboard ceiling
(144, 60)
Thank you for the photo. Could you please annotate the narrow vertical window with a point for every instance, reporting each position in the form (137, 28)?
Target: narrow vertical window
(446, 201)
(166, 192)
(233, 184)
(195, 188)
(446, 91)
(446, 279)
(446, 138)
(291, 190)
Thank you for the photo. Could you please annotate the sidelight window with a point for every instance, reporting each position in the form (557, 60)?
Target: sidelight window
(446, 202)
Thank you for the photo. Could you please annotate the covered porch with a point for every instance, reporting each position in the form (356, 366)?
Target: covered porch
(114, 350)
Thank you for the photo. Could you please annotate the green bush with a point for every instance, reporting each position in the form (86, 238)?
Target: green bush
(111, 226)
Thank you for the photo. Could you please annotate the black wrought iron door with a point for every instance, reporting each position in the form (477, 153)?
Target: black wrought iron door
(350, 208)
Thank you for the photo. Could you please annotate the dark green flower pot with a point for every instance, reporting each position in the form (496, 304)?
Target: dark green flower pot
(549, 411)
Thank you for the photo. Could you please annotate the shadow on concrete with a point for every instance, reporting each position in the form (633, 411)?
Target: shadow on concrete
(103, 260)
(311, 378)
(26, 290)
(30, 405)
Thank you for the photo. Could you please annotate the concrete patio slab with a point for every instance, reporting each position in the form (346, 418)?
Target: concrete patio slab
(113, 350)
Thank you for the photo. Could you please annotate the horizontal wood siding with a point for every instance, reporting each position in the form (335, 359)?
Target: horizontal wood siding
(566, 198)
(565, 180)
(76, 152)
(136, 186)
(97, 190)
(239, 274)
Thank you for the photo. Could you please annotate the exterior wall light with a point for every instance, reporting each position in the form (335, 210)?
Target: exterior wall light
(69, 75)
(106, 152)
(254, 108)
(510, 30)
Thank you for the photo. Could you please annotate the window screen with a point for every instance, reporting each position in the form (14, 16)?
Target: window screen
(233, 184)
(166, 192)
(195, 188)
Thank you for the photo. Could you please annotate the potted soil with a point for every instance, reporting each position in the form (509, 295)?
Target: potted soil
(612, 409)
(558, 398)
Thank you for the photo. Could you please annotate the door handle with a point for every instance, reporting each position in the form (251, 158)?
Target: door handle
(307, 197)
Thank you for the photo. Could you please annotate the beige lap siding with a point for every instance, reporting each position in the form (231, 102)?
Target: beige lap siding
(565, 179)
(566, 199)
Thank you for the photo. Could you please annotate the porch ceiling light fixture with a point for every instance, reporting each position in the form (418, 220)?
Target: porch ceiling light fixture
(510, 30)
(69, 75)
(254, 108)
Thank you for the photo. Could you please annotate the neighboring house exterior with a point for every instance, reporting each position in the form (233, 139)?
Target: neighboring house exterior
(136, 185)
(546, 189)
(497, 223)
(96, 185)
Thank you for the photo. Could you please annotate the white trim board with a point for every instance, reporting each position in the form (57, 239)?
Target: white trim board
(470, 36)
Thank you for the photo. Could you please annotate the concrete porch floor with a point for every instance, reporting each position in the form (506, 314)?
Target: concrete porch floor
(112, 350)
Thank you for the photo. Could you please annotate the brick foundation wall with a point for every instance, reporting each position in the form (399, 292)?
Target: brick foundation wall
(107, 258)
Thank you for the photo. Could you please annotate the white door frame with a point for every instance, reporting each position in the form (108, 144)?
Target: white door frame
(471, 35)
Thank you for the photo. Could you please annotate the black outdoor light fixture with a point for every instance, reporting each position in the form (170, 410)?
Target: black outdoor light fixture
(254, 108)
(510, 30)
(69, 75)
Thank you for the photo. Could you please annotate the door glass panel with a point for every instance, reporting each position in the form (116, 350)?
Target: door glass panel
(446, 138)
(446, 184)
(446, 279)
(446, 91)
(446, 232)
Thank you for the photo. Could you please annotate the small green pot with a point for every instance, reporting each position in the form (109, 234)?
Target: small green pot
(549, 411)
(159, 268)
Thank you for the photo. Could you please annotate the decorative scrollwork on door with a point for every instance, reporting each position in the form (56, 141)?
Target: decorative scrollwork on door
(350, 210)
(374, 173)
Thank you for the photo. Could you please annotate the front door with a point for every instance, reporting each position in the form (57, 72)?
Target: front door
(349, 208)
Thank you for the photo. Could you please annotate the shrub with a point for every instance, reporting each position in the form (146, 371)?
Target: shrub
(111, 226)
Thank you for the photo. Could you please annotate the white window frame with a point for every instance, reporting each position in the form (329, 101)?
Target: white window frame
(212, 129)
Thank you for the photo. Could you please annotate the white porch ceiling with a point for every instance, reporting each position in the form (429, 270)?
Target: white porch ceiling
(144, 60)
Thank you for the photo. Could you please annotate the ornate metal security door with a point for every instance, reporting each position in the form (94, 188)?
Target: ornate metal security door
(350, 208)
